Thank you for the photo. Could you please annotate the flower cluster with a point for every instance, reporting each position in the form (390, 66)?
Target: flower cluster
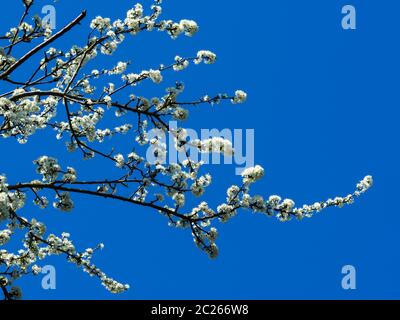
(22, 117)
(240, 97)
(216, 144)
(252, 174)
(48, 167)
(206, 56)
(37, 246)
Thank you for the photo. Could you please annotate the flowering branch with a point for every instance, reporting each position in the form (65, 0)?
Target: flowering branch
(44, 44)
(61, 95)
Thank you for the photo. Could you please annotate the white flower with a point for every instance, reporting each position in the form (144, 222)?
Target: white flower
(36, 269)
(274, 201)
(100, 23)
(240, 97)
(4, 236)
(42, 202)
(48, 167)
(179, 199)
(205, 56)
(114, 286)
(180, 63)
(218, 145)
(119, 160)
(70, 175)
(107, 99)
(190, 27)
(212, 234)
(155, 76)
(51, 51)
(252, 174)
(119, 68)
(287, 205)
(133, 156)
(64, 202)
(180, 114)
(365, 184)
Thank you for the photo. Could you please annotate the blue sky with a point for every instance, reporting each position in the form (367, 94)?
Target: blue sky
(324, 105)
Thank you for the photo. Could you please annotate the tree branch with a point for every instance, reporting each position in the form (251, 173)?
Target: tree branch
(95, 193)
(67, 28)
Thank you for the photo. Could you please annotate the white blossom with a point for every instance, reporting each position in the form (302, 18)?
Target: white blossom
(119, 160)
(64, 202)
(48, 167)
(252, 174)
(100, 23)
(155, 76)
(206, 56)
(190, 27)
(240, 97)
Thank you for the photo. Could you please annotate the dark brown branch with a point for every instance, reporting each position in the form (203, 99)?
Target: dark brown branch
(95, 193)
(6, 293)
